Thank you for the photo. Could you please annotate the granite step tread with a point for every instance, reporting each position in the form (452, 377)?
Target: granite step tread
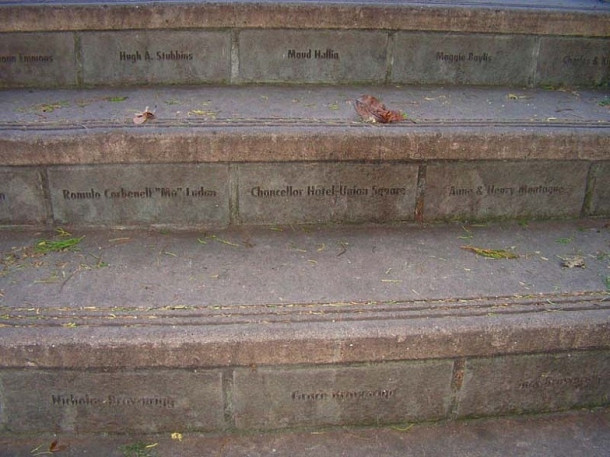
(283, 123)
(265, 328)
(560, 16)
(276, 286)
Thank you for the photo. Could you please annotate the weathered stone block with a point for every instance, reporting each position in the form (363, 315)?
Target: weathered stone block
(536, 383)
(326, 192)
(116, 402)
(269, 398)
(37, 59)
(600, 189)
(180, 194)
(150, 57)
(312, 56)
(433, 58)
(505, 189)
(574, 61)
(21, 196)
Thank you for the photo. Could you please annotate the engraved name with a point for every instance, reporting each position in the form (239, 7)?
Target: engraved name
(328, 53)
(580, 60)
(327, 191)
(22, 58)
(147, 192)
(462, 57)
(495, 190)
(342, 395)
(2, 197)
(552, 382)
(149, 56)
(111, 400)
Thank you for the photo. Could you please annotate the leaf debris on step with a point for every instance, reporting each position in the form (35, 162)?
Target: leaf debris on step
(371, 109)
(492, 253)
(574, 261)
(141, 118)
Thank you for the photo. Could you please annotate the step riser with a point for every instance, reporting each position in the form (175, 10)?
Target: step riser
(221, 194)
(83, 59)
(254, 398)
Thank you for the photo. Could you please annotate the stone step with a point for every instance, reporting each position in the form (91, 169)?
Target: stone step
(220, 156)
(489, 42)
(565, 434)
(259, 328)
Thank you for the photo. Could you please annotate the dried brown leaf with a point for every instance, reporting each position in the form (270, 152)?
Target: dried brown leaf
(371, 109)
(142, 117)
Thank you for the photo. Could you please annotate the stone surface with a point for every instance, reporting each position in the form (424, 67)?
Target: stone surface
(145, 194)
(312, 56)
(113, 401)
(600, 182)
(320, 192)
(544, 382)
(22, 199)
(37, 59)
(426, 58)
(271, 398)
(503, 189)
(573, 62)
(580, 433)
(147, 57)
(553, 17)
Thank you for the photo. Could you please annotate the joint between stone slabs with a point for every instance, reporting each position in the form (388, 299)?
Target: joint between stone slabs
(389, 57)
(78, 60)
(46, 196)
(457, 380)
(234, 215)
(227, 397)
(234, 58)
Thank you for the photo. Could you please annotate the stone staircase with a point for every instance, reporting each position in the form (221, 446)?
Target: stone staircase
(254, 256)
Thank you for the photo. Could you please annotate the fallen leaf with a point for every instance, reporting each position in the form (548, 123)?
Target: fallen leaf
(371, 109)
(142, 117)
(177, 436)
(491, 253)
(574, 261)
(55, 447)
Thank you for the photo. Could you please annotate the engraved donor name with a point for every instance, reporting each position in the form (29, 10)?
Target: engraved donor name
(148, 56)
(495, 190)
(147, 192)
(576, 381)
(338, 190)
(580, 60)
(21, 58)
(470, 57)
(386, 394)
(313, 54)
(111, 400)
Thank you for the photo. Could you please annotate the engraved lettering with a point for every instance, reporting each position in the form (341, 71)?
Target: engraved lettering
(111, 400)
(463, 57)
(2, 197)
(293, 54)
(8, 59)
(336, 190)
(342, 395)
(546, 381)
(174, 55)
(451, 58)
(322, 54)
(35, 59)
(88, 195)
(133, 58)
